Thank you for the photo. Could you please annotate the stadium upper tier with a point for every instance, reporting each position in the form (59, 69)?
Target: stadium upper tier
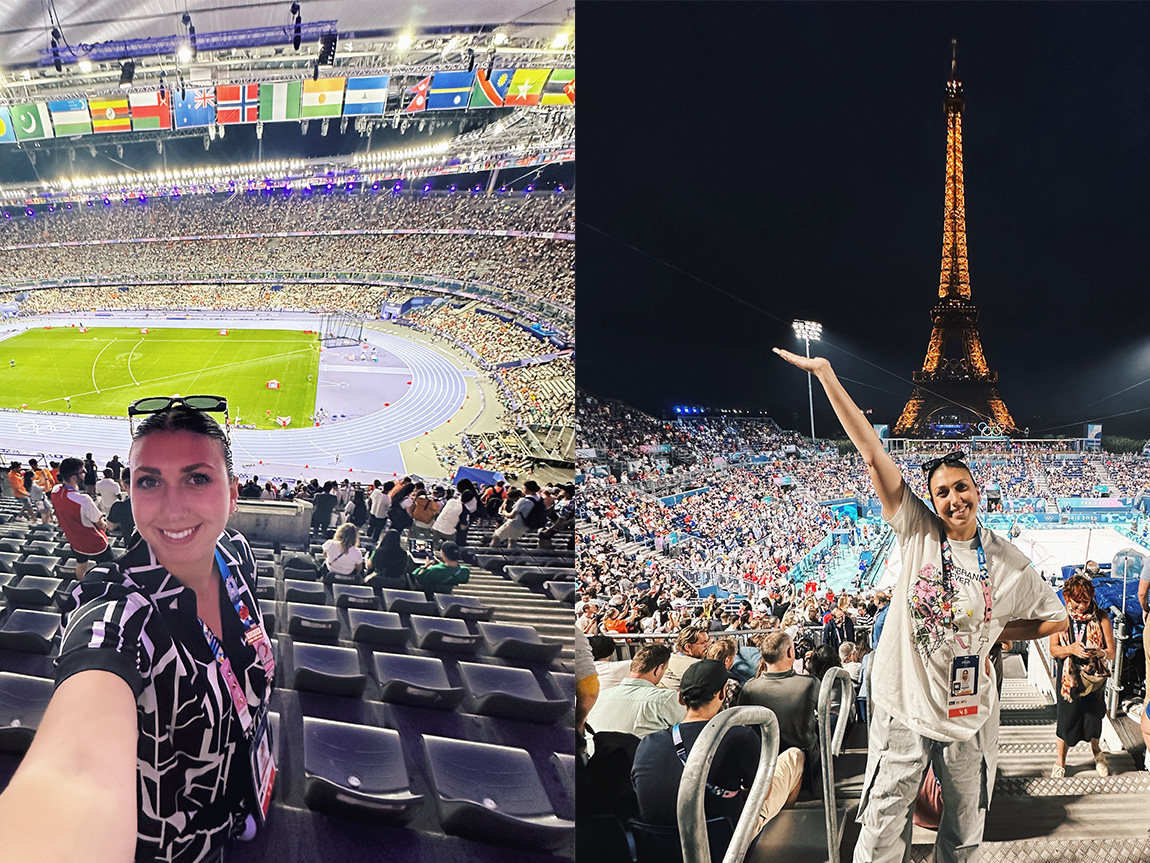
(533, 274)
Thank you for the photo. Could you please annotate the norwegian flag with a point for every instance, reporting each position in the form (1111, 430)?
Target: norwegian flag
(419, 103)
(237, 103)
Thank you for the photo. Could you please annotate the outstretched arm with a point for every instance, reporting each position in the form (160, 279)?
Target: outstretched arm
(884, 473)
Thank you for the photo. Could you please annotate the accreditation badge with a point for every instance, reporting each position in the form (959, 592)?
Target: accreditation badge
(963, 699)
(263, 768)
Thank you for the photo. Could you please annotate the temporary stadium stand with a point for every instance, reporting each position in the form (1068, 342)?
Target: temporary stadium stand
(355, 698)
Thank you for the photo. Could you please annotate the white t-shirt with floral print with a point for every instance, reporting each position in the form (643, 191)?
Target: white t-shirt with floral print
(912, 663)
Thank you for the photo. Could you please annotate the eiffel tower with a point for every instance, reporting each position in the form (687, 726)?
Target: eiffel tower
(955, 380)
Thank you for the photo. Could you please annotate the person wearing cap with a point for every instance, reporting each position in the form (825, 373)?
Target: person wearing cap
(934, 699)
(638, 705)
(516, 524)
(661, 755)
(443, 576)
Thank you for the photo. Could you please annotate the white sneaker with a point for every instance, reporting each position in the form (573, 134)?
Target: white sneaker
(1059, 772)
(1134, 711)
(1100, 764)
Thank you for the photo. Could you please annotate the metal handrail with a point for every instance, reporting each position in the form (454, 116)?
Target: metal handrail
(831, 744)
(692, 820)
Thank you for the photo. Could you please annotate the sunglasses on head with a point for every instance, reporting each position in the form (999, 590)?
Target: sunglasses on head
(956, 457)
(159, 404)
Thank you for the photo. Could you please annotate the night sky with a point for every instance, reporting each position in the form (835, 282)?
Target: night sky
(793, 157)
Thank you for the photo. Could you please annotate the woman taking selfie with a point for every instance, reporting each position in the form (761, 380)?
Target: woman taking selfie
(961, 589)
(155, 743)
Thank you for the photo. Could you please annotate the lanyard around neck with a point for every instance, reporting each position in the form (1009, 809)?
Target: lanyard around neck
(983, 577)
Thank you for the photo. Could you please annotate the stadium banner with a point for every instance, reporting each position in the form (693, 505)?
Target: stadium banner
(237, 103)
(1094, 432)
(7, 133)
(490, 91)
(655, 448)
(559, 89)
(419, 96)
(449, 90)
(1123, 517)
(526, 87)
(585, 452)
(110, 114)
(151, 110)
(1091, 503)
(70, 117)
(280, 101)
(675, 499)
(322, 98)
(31, 121)
(195, 107)
(366, 96)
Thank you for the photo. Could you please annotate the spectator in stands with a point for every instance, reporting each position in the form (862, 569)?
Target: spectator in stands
(322, 506)
(389, 563)
(424, 509)
(565, 515)
(16, 483)
(342, 557)
(848, 659)
(638, 705)
(527, 514)
(399, 515)
(139, 703)
(443, 576)
(37, 498)
(116, 466)
(1082, 653)
(380, 503)
(725, 650)
(917, 716)
(268, 492)
(80, 519)
(356, 511)
(660, 758)
(690, 646)
(611, 672)
(119, 517)
(41, 477)
(821, 659)
(839, 629)
(883, 604)
(107, 491)
(793, 697)
(90, 476)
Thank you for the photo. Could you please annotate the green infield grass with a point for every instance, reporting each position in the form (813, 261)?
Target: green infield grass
(100, 371)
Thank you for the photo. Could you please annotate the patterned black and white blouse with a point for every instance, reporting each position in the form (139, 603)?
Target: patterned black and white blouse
(136, 620)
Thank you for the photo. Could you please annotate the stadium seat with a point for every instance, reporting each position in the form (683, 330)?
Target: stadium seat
(23, 701)
(657, 843)
(420, 681)
(32, 590)
(511, 693)
(388, 583)
(354, 596)
(313, 592)
(12, 546)
(383, 628)
(492, 793)
(408, 602)
(331, 670)
(39, 546)
(534, 576)
(437, 633)
(268, 613)
(509, 641)
(564, 685)
(562, 591)
(463, 607)
(312, 621)
(356, 770)
(37, 564)
(8, 559)
(29, 631)
(564, 765)
(265, 587)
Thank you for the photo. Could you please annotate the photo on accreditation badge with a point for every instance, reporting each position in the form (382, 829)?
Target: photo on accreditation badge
(287, 506)
(862, 531)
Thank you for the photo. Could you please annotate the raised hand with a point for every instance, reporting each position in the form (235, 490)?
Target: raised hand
(814, 365)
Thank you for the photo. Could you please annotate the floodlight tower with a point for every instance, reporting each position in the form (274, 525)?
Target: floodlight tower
(809, 331)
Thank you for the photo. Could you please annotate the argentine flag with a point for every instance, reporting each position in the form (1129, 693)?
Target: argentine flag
(366, 96)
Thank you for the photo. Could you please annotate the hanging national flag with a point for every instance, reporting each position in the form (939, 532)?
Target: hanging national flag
(526, 86)
(7, 133)
(195, 107)
(559, 89)
(419, 103)
(70, 117)
(279, 101)
(322, 98)
(110, 114)
(151, 110)
(237, 103)
(365, 96)
(31, 121)
(490, 90)
(449, 90)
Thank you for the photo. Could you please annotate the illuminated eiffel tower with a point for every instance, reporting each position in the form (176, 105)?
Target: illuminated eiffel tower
(955, 380)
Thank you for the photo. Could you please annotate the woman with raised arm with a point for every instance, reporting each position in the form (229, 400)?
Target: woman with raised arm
(155, 745)
(961, 589)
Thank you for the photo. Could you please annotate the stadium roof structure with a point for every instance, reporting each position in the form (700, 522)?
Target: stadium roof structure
(250, 42)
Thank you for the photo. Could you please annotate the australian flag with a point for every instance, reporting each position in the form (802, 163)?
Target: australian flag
(195, 107)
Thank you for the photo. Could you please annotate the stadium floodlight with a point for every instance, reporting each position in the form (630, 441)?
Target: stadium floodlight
(560, 41)
(404, 42)
(85, 65)
(127, 73)
(809, 331)
(326, 51)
